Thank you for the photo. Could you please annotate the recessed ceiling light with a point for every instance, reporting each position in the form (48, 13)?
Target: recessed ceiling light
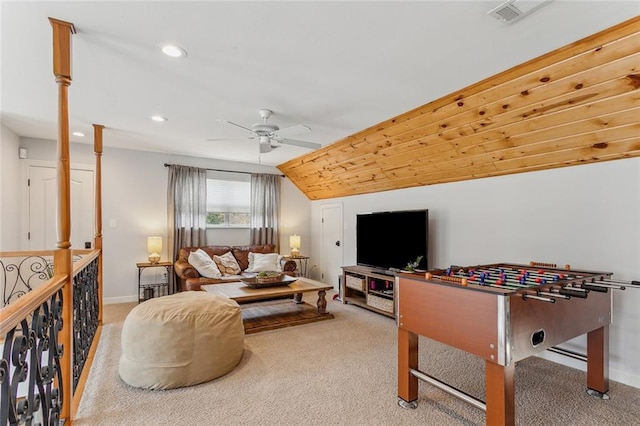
(158, 118)
(174, 51)
(80, 134)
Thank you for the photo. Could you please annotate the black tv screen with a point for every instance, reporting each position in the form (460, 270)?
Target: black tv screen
(390, 240)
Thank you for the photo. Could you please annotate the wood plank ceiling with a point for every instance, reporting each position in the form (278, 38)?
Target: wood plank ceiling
(576, 105)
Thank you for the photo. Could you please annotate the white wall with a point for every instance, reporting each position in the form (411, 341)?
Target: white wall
(296, 210)
(10, 194)
(586, 216)
(134, 196)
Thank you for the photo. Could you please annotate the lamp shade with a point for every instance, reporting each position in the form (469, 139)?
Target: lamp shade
(294, 243)
(154, 247)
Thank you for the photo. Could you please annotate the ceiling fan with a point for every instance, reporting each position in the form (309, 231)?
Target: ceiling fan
(270, 135)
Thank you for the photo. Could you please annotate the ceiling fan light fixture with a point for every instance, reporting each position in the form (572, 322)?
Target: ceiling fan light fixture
(265, 144)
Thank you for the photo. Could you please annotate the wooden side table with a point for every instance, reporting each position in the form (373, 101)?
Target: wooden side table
(302, 262)
(155, 289)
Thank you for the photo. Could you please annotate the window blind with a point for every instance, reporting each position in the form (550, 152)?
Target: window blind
(228, 196)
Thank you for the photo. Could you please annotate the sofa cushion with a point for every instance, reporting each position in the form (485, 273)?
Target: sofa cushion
(227, 264)
(241, 253)
(204, 264)
(264, 262)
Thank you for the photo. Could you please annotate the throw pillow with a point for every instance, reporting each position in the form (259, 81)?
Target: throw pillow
(264, 262)
(227, 264)
(205, 266)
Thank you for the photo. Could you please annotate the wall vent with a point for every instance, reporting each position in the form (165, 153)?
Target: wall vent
(513, 10)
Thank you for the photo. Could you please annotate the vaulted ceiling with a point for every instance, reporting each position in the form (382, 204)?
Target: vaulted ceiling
(336, 66)
(576, 105)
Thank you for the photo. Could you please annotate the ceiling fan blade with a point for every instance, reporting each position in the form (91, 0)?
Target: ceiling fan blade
(227, 139)
(303, 144)
(238, 125)
(298, 129)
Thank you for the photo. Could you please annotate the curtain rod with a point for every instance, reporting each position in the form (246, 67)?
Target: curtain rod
(227, 171)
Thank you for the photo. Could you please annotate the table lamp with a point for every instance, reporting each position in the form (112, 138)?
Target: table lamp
(294, 243)
(154, 247)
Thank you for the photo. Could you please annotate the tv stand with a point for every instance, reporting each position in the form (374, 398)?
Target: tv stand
(387, 272)
(370, 288)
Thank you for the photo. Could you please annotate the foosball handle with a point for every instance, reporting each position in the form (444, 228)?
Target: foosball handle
(635, 282)
(573, 293)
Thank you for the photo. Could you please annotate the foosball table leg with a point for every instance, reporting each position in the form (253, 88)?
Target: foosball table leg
(500, 398)
(598, 362)
(407, 361)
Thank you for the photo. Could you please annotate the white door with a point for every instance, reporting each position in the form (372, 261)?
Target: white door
(42, 208)
(331, 257)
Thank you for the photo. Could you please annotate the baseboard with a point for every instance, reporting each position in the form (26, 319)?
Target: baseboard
(122, 299)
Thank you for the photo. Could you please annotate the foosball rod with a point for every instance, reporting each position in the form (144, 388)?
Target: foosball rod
(490, 275)
(464, 281)
(512, 272)
(526, 296)
(490, 280)
(530, 276)
(493, 282)
(609, 280)
(555, 276)
(604, 284)
(519, 282)
(556, 295)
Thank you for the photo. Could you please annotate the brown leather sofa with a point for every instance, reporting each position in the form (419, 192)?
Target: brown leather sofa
(190, 279)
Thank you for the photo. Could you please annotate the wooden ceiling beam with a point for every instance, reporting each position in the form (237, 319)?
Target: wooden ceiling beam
(579, 100)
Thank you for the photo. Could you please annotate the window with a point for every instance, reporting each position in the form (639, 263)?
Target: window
(228, 202)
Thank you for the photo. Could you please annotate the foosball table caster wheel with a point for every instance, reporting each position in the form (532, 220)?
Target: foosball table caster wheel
(408, 405)
(597, 394)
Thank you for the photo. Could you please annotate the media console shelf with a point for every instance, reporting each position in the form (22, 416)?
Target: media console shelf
(370, 290)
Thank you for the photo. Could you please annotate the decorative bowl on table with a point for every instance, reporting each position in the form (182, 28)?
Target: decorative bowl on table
(269, 279)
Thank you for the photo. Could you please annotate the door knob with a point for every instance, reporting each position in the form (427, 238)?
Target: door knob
(338, 243)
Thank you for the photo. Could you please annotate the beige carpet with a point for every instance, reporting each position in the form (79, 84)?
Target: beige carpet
(340, 372)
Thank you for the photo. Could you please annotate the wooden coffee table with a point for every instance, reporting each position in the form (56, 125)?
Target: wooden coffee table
(279, 313)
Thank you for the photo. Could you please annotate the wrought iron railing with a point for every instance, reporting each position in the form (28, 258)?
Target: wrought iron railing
(22, 272)
(31, 367)
(85, 315)
(30, 370)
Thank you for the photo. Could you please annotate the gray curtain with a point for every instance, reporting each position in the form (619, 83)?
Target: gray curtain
(187, 209)
(265, 209)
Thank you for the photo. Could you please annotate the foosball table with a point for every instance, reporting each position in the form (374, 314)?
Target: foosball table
(503, 313)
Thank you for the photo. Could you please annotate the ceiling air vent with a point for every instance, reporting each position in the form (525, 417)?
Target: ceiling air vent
(512, 10)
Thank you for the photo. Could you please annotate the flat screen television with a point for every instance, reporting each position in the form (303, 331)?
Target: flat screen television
(387, 241)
